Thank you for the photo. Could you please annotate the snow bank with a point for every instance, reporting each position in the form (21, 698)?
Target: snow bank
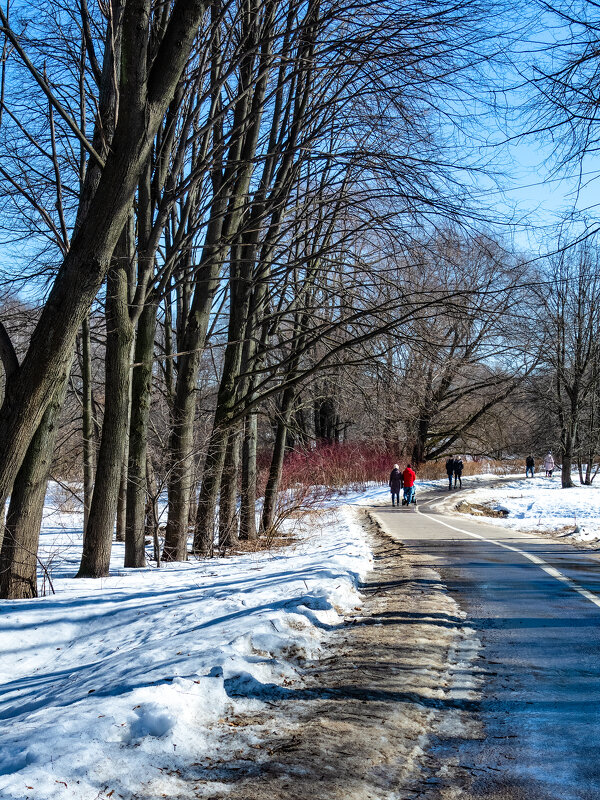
(113, 687)
(540, 504)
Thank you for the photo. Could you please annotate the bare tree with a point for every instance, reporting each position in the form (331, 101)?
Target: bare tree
(570, 319)
(242, 192)
(133, 105)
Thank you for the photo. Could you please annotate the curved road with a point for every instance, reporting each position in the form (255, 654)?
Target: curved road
(534, 605)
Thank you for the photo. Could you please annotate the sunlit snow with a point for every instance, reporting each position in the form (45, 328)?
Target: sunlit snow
(114, 684)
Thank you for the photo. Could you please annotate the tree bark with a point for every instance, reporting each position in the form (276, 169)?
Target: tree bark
(89, 441)
(419, 452)
(228, 494)
(18, 558)
(151, 521)
(209, 492)
(138, 438)
(567, 439)
(276, 468)
(192, 330)
(249, 477)
(226, 399)
(181, 441)
(122, 501)
(588, 469)
(145, 93)
(95, 560)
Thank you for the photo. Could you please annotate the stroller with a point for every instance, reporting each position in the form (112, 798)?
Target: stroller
(413, 499)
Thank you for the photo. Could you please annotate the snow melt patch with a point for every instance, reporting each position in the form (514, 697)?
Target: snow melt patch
(119, 685)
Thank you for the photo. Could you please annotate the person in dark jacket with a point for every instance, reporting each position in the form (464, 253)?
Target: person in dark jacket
(408, 481)
(529, 466)
(450, 471)
(395, 484)
(457, 469)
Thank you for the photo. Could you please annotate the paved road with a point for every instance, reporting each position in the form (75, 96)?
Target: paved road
(535, 607)
(353, 725)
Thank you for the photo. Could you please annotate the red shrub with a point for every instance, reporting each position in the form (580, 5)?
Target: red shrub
(337, 465)
(353, 464)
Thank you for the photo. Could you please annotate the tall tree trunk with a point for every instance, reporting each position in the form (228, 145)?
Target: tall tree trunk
(251, 360)
(217, 445)
(193, 330)
(181, 468)
(588, 469)
(568, 418)
(181, 441)
(89, 440)
(209, 492)
(138, 438)
(419, 451)
(249, 476)
(151, 520)
(276, 468)
(144, 93)
(18, 558)
(567, 439)
(226, 399)
(122, 501)
(231, 184)
(95, 560)
(228, 493)
(168, 338)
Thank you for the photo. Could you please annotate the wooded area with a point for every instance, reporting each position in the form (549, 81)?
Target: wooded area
(242, 229)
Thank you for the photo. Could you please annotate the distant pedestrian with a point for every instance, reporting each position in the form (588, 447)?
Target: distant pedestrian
(450, 471)
(529, 466)
(408, 481)
(458, 469)
(549, 464)
(395, 484)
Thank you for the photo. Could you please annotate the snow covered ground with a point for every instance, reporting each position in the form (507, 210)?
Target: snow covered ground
(540, 504)
(110, 686)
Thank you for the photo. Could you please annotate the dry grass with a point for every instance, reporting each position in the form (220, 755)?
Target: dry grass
(262, 544)
(480, 510)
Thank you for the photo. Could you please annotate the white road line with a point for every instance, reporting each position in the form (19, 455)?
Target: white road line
(593, 598)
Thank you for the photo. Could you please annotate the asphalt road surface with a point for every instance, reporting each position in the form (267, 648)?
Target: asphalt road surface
(534, 605)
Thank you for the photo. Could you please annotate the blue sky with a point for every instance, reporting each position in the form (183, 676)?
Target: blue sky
(539, 199)
(535, 195)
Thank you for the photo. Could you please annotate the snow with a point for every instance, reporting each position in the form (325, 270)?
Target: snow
(540, 504)
(113, 685)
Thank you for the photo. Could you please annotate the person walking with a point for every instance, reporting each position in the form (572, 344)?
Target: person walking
(549, 464)
(450, 471)
(395, 484)
(529, 466)
(458, 469)
(408, 481)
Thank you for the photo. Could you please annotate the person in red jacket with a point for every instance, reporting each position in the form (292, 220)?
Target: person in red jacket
(408, 481)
